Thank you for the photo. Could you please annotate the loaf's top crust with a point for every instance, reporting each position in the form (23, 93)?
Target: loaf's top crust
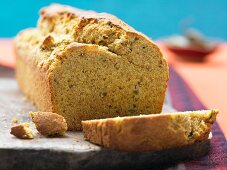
(56, 9)
(60, 25)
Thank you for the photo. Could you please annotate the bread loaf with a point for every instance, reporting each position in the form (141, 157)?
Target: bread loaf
(150, 132)
(86, 65)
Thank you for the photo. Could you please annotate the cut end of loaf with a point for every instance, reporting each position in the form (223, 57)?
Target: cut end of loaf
(93, 83)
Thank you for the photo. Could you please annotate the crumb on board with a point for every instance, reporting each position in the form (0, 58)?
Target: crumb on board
(14, 120)
(22, 131)
(49, 124)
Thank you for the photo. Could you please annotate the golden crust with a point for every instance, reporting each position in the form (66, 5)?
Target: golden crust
(56, 10)
(34, 82)
(150, 132)
(49, 124)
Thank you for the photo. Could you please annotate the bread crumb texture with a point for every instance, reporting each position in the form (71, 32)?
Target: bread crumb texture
(150, 132)
(86, 65)
(49, 124)
(22, 131)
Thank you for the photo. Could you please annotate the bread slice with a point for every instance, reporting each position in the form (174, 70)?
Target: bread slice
(84, 65)
(150, 132)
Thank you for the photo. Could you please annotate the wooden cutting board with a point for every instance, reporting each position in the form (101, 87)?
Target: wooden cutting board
(71, 151)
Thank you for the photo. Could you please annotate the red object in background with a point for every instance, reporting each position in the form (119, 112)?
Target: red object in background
(190, 51)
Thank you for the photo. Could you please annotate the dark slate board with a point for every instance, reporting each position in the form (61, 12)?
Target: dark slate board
(71, 151)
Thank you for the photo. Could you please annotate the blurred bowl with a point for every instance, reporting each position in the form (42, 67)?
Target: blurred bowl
(191, 52)
(190, 47)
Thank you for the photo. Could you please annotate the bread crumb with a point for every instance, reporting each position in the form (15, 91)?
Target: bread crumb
(14, 120)
(49, 124)
(22, 131)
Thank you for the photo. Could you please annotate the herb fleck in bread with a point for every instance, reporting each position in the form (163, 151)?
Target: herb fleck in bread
(150, 132)
(85, 65)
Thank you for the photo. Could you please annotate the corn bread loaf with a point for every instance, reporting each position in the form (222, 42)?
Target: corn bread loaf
(86, 65)
(150, 132)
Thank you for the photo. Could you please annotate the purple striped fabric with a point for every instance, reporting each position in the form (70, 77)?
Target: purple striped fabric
(184, 99)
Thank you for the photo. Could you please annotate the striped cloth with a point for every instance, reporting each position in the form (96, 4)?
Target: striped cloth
(184, 99)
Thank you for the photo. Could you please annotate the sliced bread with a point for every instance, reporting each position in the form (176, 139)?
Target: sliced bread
(150, 132)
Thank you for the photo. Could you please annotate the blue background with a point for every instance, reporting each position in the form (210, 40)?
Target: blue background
(156, 18)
